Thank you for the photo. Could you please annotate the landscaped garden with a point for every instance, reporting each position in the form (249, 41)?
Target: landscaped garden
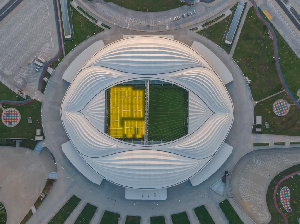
(62, 215)
(230, 213)
(110, 218)
(3, 215)
(254, 55)
(148, 5)
(23, 129)
(280, 125)
(180, 218)
(216, 32)
(203, 215)
(293, 183)
(82, 30)
(158, 220)
(133, 219)
(86, 214)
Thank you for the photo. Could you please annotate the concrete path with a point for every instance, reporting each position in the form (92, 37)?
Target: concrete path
(252, 175)
(23, 175)
(269, 96)
(97, 217)
(271, 139)
(76, 212)
(216, 212)
(192, 217)
(243, 215)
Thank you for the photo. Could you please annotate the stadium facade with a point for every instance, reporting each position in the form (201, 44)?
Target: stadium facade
(147, 170)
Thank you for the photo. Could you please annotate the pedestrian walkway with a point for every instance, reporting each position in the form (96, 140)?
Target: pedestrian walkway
(289, 141)
(216, 212)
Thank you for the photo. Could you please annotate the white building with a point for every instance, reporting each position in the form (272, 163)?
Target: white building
(146, 171)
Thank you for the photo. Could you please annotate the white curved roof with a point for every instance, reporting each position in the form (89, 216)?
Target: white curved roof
(147, 166)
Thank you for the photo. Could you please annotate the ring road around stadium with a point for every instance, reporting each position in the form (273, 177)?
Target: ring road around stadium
(108, 114)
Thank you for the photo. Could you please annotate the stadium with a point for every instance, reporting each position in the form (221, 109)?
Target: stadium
(147, 113)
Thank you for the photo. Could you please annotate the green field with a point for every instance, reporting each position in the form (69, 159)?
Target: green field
(180, 218)
(217, 31)
(230, 213)
(3, 215)
(62, 215)
(286, 125)
(168, 112)
(110, 218)
(254, 55)
(294, 185)
(86, 214)
(203, 215)
(148, 5)
(158, 220)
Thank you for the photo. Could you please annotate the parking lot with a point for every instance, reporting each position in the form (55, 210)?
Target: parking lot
(30, 31)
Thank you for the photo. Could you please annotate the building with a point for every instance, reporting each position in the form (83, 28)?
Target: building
(146, 171)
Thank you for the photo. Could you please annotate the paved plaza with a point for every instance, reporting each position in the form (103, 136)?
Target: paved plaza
(29, 32)
(252, 176)
(23, 174)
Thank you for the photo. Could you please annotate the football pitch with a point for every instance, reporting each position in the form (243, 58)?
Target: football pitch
(126, 112)
(168, 112)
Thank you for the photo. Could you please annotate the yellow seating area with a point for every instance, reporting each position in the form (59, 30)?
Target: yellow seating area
(126, 112)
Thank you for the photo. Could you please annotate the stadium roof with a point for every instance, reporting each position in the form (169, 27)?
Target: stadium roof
(147, 166)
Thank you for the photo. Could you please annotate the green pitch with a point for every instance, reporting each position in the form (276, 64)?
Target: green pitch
(168, 113)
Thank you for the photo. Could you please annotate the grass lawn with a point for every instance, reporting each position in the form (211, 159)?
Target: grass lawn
(168, 112)
(3, 215)
(148, 5)
(23, 129)
(86, 214)
(286, 125)
(180, 218)
(254, 55)
(158, 220)
(294, 185)
(217, 31)
(133, 220)
(65, 211)
(110, 218)
(203, 215)
(230, 213)
(83, 29)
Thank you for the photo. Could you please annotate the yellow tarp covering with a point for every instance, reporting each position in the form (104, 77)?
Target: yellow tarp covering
(127, 112)
(267, 14)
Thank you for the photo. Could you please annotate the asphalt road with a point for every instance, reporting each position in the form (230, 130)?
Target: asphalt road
(10, 6)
